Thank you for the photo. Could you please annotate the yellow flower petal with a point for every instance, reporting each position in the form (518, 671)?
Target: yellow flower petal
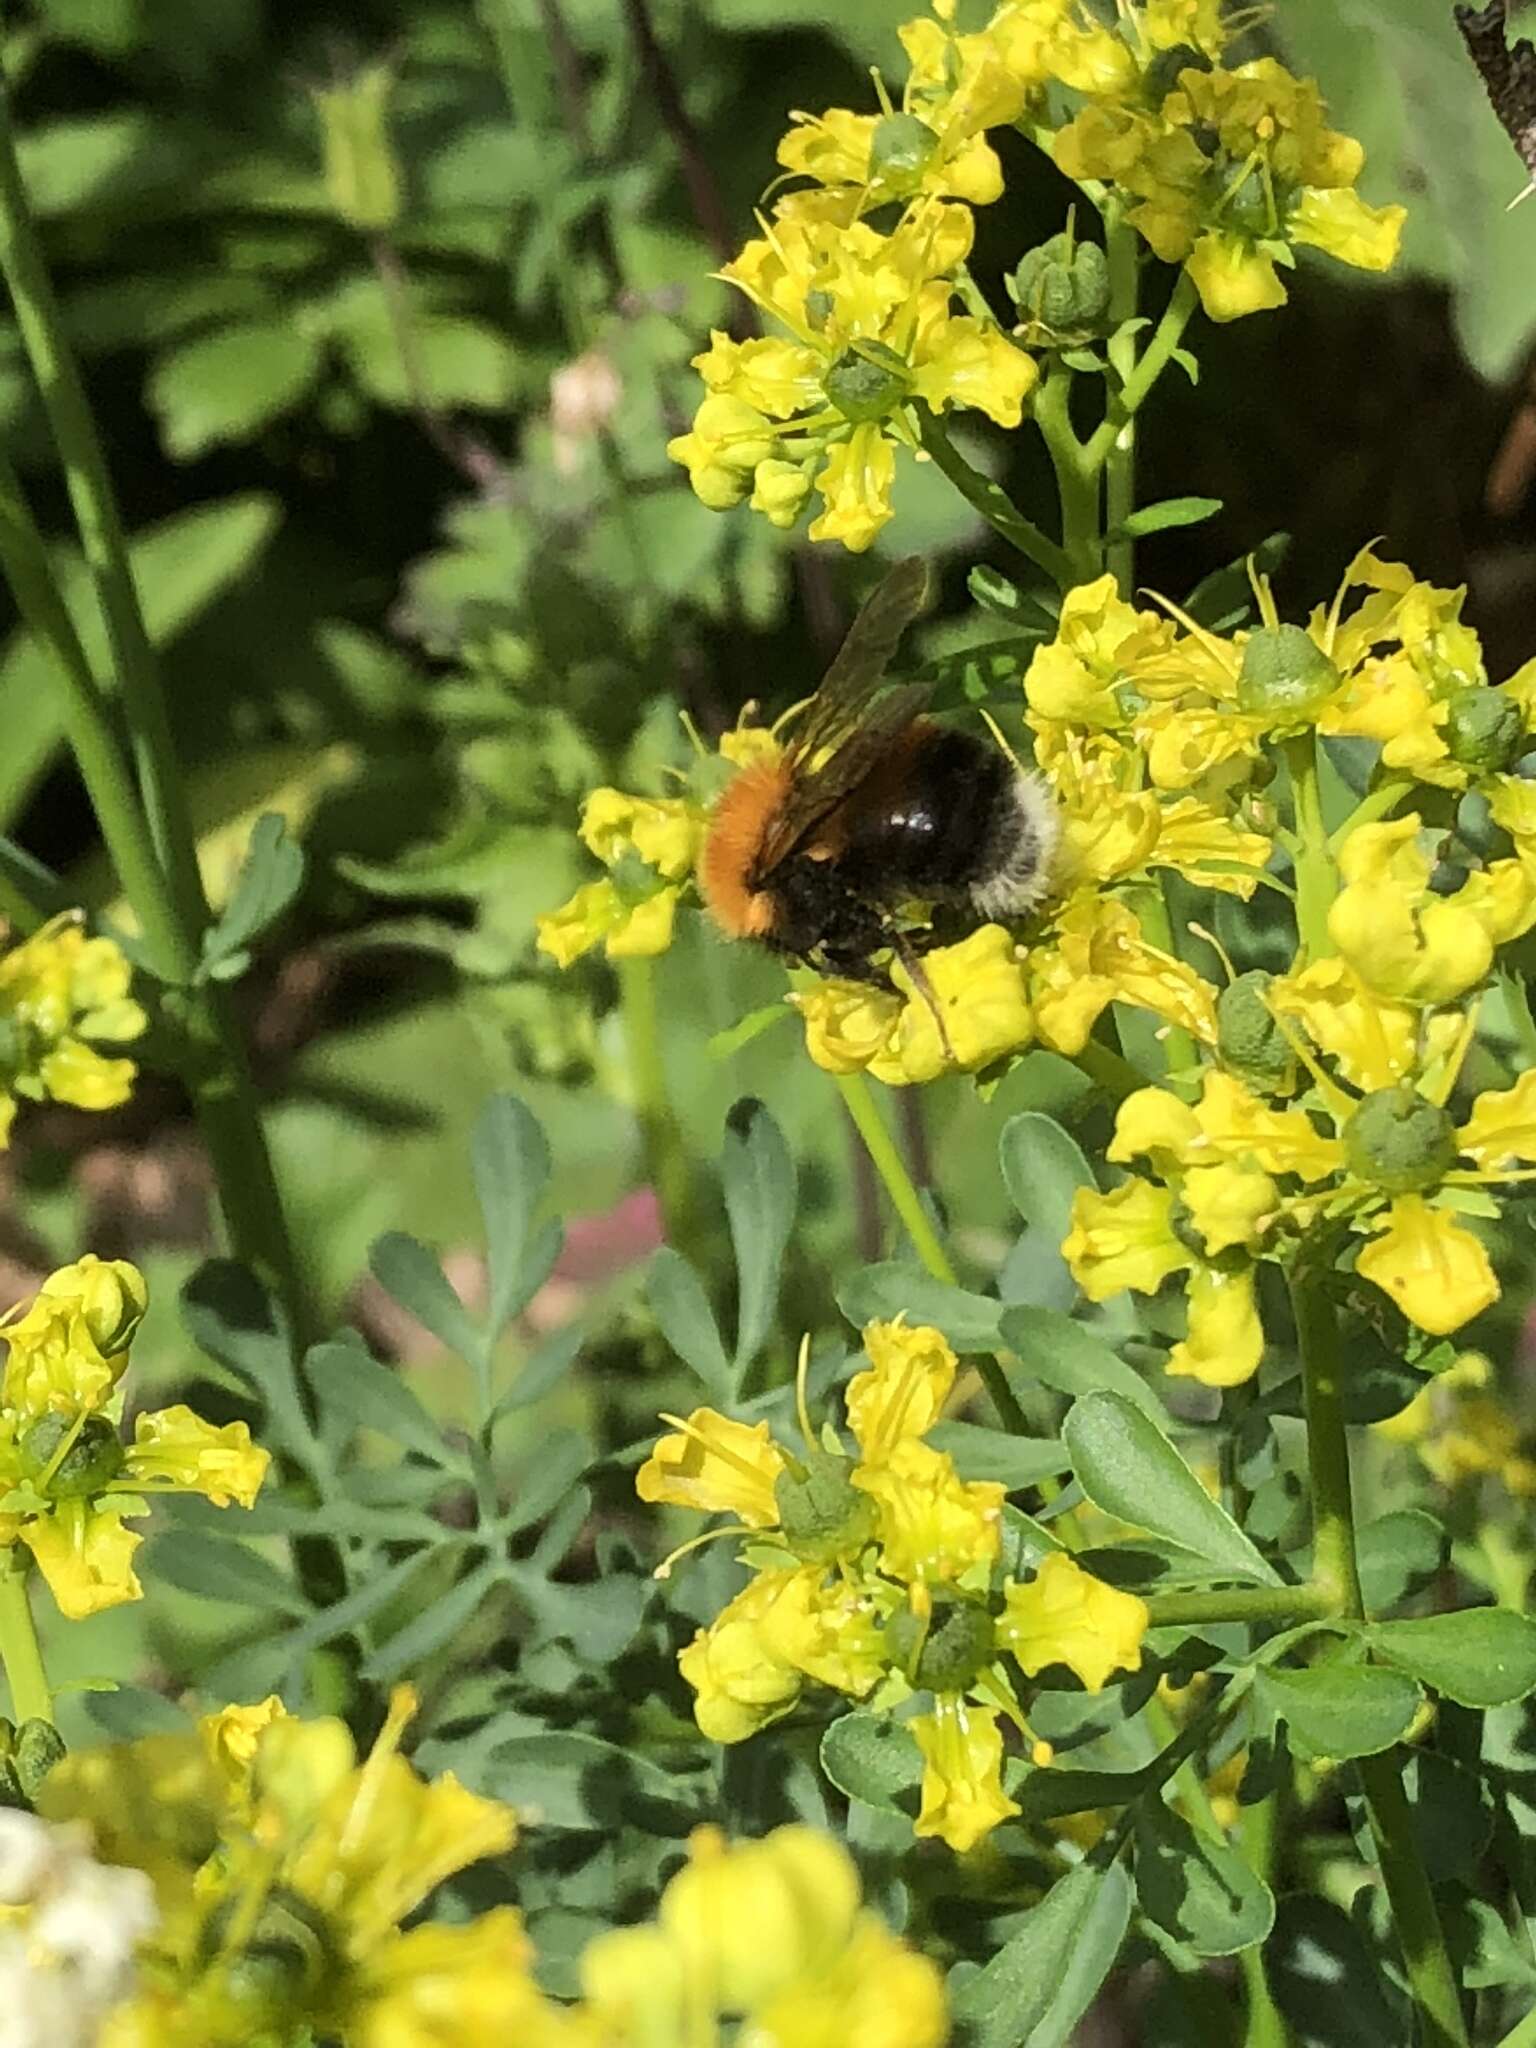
(86, 1555)
(912, 1371)
(1067, 1616)
(718, 1466)
(1502, 1125)
(933, 1525)
(856, 484)
(1436, 1271)
(1226, 1339)
(963, 1797)
(1123, 1239)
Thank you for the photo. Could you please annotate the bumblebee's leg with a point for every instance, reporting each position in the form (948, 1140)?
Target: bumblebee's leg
(906, 953)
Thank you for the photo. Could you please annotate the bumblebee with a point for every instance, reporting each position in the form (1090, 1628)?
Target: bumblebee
(871, 807)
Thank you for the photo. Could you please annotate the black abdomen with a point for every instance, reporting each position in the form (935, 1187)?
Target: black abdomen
(930, 827)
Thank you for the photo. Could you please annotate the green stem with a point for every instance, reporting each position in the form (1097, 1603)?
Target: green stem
(665, 1155)
(31, 1699)
(1317, 879)
(892, 1169)
(1266, 2023)
(1122, 247)
(994, 503)
(1431, 1978)
(1246, 1604)
(1109, 1070)
(101, 535)
(89, 728)
(1155, 358)
(1077, 486)
(148, 831)
(887, 1161)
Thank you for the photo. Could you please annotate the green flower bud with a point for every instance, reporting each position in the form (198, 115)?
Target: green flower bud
(1475, 825)
(272, 1977)
(1399, 1142)
(821, 1513)
(91, 1463)
(1483, 730)
(39, 1746)
(864, 389)
(1249, 208)
(1248, 1038)
(1062, 285)
(1284, 671)
(362, 179)
(958, 1644)
(819, 305)
(901, 149)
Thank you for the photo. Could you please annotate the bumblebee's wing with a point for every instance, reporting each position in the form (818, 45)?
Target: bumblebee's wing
(845, 731)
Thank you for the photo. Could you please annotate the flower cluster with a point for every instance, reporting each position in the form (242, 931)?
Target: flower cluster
(266, 1868)
(861, 272)
(769, 1936)
(880, 1574)
(69, 1483)
(62, 994)
(69, 1929)
(1460, 1429)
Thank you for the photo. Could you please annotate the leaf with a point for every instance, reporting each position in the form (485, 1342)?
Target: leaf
(129, 1711)
(570, 1780)
(1168, 512)
(873, 1758)
(1057, 1957)
(1044, 1167)
(269, 879)
(981, 1453)
(687, 1321)
(180, 566)
(1127, 1467)
(1226, 593)
(1340, 1709)
(759, 1180)
(1328, 1981)
(346, 1378)
(228, 385)
(1398, 1554)
(408, 1272)
(1198, 1890)
(1482, 1657)
(542, 1369)
(563, 1456)
(509, 1156)
(231, 1316)
(880, 1293)
(217, 1569)
(421, 1639)
(1050, 1347)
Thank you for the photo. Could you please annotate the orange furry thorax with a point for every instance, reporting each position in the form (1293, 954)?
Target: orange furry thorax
(735, 837)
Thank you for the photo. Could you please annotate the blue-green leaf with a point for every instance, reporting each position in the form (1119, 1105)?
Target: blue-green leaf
(758, 1175)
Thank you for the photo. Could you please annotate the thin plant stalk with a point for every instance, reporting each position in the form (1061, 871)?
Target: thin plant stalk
(31, 1696)
(1431, 1978)
(147, 828)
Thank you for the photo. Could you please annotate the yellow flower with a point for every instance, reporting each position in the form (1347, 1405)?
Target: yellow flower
(740, 1676)
(1432, 1266)
(1123, 1239)
(1097, 956)
(1373, 1042)
(848, 1024)
(933, 1525)
(1229, 1205)
(1403, 941)
(962, 1797)
(665, 832)
(1502, 1125)
(1460, 1430)
(437, 1986)
(1066, 1616)
(715, 1465)
(912, 1372)
(979, 988)
(69, 1349)
(870, 338)
(58, 991)
(231, 1738)
(769, 1936)
(1233, 277)
(893, 156)
(86, 1555)
(1226, 1338)
(1100, 641)
(175, 1451)
(598, 914)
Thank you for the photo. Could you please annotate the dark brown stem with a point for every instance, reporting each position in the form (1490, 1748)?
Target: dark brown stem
(469, 455)
(703, 191)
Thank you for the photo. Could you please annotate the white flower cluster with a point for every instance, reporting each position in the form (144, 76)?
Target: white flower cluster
(69, 1927)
